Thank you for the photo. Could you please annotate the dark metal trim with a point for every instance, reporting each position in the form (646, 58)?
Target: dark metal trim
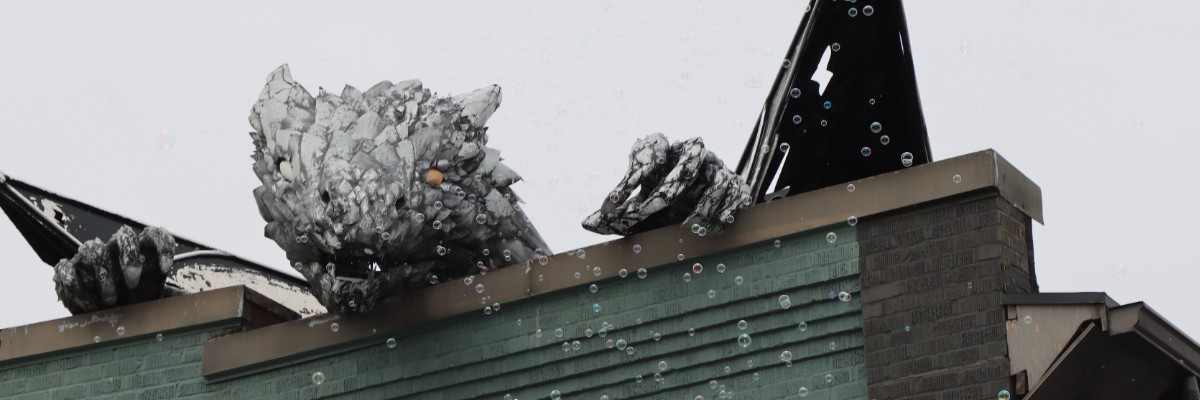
(277, 345)
(1141, 320)
(1051, 299)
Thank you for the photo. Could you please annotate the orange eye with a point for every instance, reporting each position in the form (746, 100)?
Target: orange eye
(433, 177)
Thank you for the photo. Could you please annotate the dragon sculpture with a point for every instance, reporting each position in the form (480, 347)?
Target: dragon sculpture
(393, 188)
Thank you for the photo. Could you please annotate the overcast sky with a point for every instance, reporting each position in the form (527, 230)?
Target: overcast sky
(1094, 100)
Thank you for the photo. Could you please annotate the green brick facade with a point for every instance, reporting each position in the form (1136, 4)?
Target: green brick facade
(489, 356)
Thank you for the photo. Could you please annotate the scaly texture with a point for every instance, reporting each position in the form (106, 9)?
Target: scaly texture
(675, 183)
(392, 188)
(129, 268)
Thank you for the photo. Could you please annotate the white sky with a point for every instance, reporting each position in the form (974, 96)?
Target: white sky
(1093, 100)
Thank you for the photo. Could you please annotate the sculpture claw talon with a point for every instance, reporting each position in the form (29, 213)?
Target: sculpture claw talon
(128, 268)
(675, 183)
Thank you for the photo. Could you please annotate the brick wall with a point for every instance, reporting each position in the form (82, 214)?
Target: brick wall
(488, 356)
(933, 277)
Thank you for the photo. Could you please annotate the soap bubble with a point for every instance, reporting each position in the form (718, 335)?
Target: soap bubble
(829, 104)
(442, 250)
(479, 288)
(558, 332)
(778, 243)
(1028, 319)
(828, 377)
(744, 340)
(642, 273)
(956, 178)
(865, 151)
(804, 390)
(844, 297)
(803, 326)
(850, 188)
(852, 221)
(738, 280)
(658, 377)
(797, 119)
(555, 395)
(785, 302)
(712, 294)
(697, 268)
(906, 159)
(795, 93)
(1003, 395)
(831, 237)
(868, 11)
(120, 331)
(691, 331)
(623, 272)
(334, 327)
(721, 268)
(885, 140)
(391, 343)
(158, 337)
(621, 344)
(785, 356)
(596, 307)
(852, 12)
(742, 325)
(481, 218)
(576, 345)
(687, 277)
(662, 365)
(318, 377)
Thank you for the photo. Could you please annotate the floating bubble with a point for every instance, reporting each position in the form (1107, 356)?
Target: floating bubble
(795, 93)
(479, 288)
(555, 395)
(433, 279)
(868, 11)
(1003, 395)
(956, 178)
(828, 378)
(622, 344)
(852, 220)
(787, 63)
(778, 243)
(642, 273)
(158, 337)
(298, 265)
(581, 254)
(831, 237)
(844, 297)
(885, 140)
(785, 356)
(738, 280)
(852, 12)
(318, 378)
(662, 365)
(391, 343)
(558, 332)
(334, 327)
(908, 328)
(785, 302)
(712, 294)
(865, 151)
(120, 331)
(744, 340)
(442, 250)
(742, 325)
(720, 268)
(630, 351)
(637, 379)
(576, 345)
(697, 268)
(1028, 319)
(596, 307)
(487, 310)
(803, 326)
(657, 336)
(538, 333)
(797, 119)
(687, 277)
(623, 273)
(637, 248)
(691, 331)
(679, 257)
(609, 343)
(593, 288)
(833, 345)
(658, 377)
(543, 260)
(803, 391)
(906, 159)
(829, 104)
(850, 188)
